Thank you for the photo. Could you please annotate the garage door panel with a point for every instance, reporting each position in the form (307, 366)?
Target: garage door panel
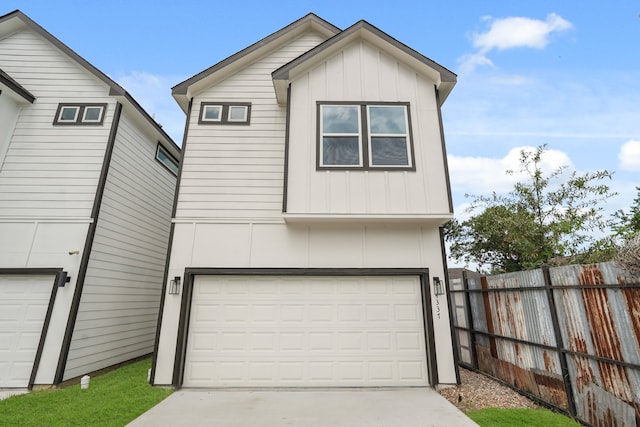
(412, 369)
(25, 300)
(300, 331)
(292, 373)
(355, 341)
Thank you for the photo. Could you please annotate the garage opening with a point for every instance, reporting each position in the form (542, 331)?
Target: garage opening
(306, 331)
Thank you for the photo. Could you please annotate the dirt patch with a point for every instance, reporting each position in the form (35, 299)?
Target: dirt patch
(478, 391)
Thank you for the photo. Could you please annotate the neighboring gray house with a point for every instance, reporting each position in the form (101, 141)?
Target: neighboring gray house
(306, 238)
(87, 181)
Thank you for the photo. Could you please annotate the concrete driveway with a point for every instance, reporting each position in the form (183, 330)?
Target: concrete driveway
(406, 407)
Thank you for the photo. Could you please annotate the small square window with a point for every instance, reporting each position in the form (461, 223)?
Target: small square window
(69, 114)
(238, 113)
(212, 113)
(92, 114)
(224, 113)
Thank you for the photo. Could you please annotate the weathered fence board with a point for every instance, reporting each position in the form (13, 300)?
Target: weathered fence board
(568, 336)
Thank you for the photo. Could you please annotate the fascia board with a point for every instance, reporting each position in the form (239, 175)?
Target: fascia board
(362, 30)
(191, 87)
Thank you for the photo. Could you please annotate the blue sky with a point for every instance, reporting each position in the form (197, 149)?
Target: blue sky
(562, 73)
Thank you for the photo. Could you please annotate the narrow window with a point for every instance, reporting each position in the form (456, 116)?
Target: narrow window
(166, 159)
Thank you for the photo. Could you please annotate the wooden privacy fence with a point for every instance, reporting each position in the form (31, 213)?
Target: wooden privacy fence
(566, 336)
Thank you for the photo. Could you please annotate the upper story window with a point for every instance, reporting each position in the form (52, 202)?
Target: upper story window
(167, 160)
(364, 136)
(80, 114)
(224, 113)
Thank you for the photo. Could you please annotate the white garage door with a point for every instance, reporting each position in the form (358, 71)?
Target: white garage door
(306, 331)
(23, 307)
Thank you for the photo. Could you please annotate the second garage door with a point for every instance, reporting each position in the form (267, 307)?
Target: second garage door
(250, 331)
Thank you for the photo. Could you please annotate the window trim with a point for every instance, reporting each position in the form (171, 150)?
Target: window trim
(364, 137)
(225, 118)
(161, 148)
(84, 114)
(80, 118)
(204, 109)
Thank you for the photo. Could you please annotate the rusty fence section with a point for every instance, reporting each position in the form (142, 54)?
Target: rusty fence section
(566, 336)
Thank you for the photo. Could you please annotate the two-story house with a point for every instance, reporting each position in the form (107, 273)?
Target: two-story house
(87, 181)
(306, 245)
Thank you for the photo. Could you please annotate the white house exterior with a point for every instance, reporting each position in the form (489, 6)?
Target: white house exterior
(306, 231)
(85, 209)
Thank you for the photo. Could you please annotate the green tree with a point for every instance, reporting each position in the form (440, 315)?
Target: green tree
(545, 216)
(627, 225)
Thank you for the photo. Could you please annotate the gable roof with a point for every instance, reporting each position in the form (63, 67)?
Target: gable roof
(16, 21)
(182, 92)
(444, 78)
(17, 88)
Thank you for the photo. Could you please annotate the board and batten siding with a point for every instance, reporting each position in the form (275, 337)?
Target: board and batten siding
(363, 73)
(50, 171)
(237, 171)
(121, 295)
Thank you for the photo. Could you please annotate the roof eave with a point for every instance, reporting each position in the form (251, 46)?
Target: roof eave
(22, 93)
(444, 78)
(185, 90)
(115, 89)
(28, 22)
(129, 100)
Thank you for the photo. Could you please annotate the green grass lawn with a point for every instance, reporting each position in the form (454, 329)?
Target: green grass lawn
(494, 417)
(112, 399)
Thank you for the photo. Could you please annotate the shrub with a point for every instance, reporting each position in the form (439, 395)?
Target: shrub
(629, 255)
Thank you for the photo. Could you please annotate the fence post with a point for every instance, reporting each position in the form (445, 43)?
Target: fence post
(562, 356)
(470, 325)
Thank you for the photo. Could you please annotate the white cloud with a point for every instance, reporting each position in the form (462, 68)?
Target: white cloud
(513, 32)
(509, 33)
(153, 93)
(484, 175)
(470, 62)
(629, 156)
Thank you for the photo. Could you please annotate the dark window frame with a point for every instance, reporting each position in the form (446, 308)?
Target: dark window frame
(80, 118)
(161, 148)
(364, 137)
(224, 116)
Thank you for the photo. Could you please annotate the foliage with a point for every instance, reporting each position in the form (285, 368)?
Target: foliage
(112, 399)
(545, 216)
(626, 225)
(629, 255)
(495, 417)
